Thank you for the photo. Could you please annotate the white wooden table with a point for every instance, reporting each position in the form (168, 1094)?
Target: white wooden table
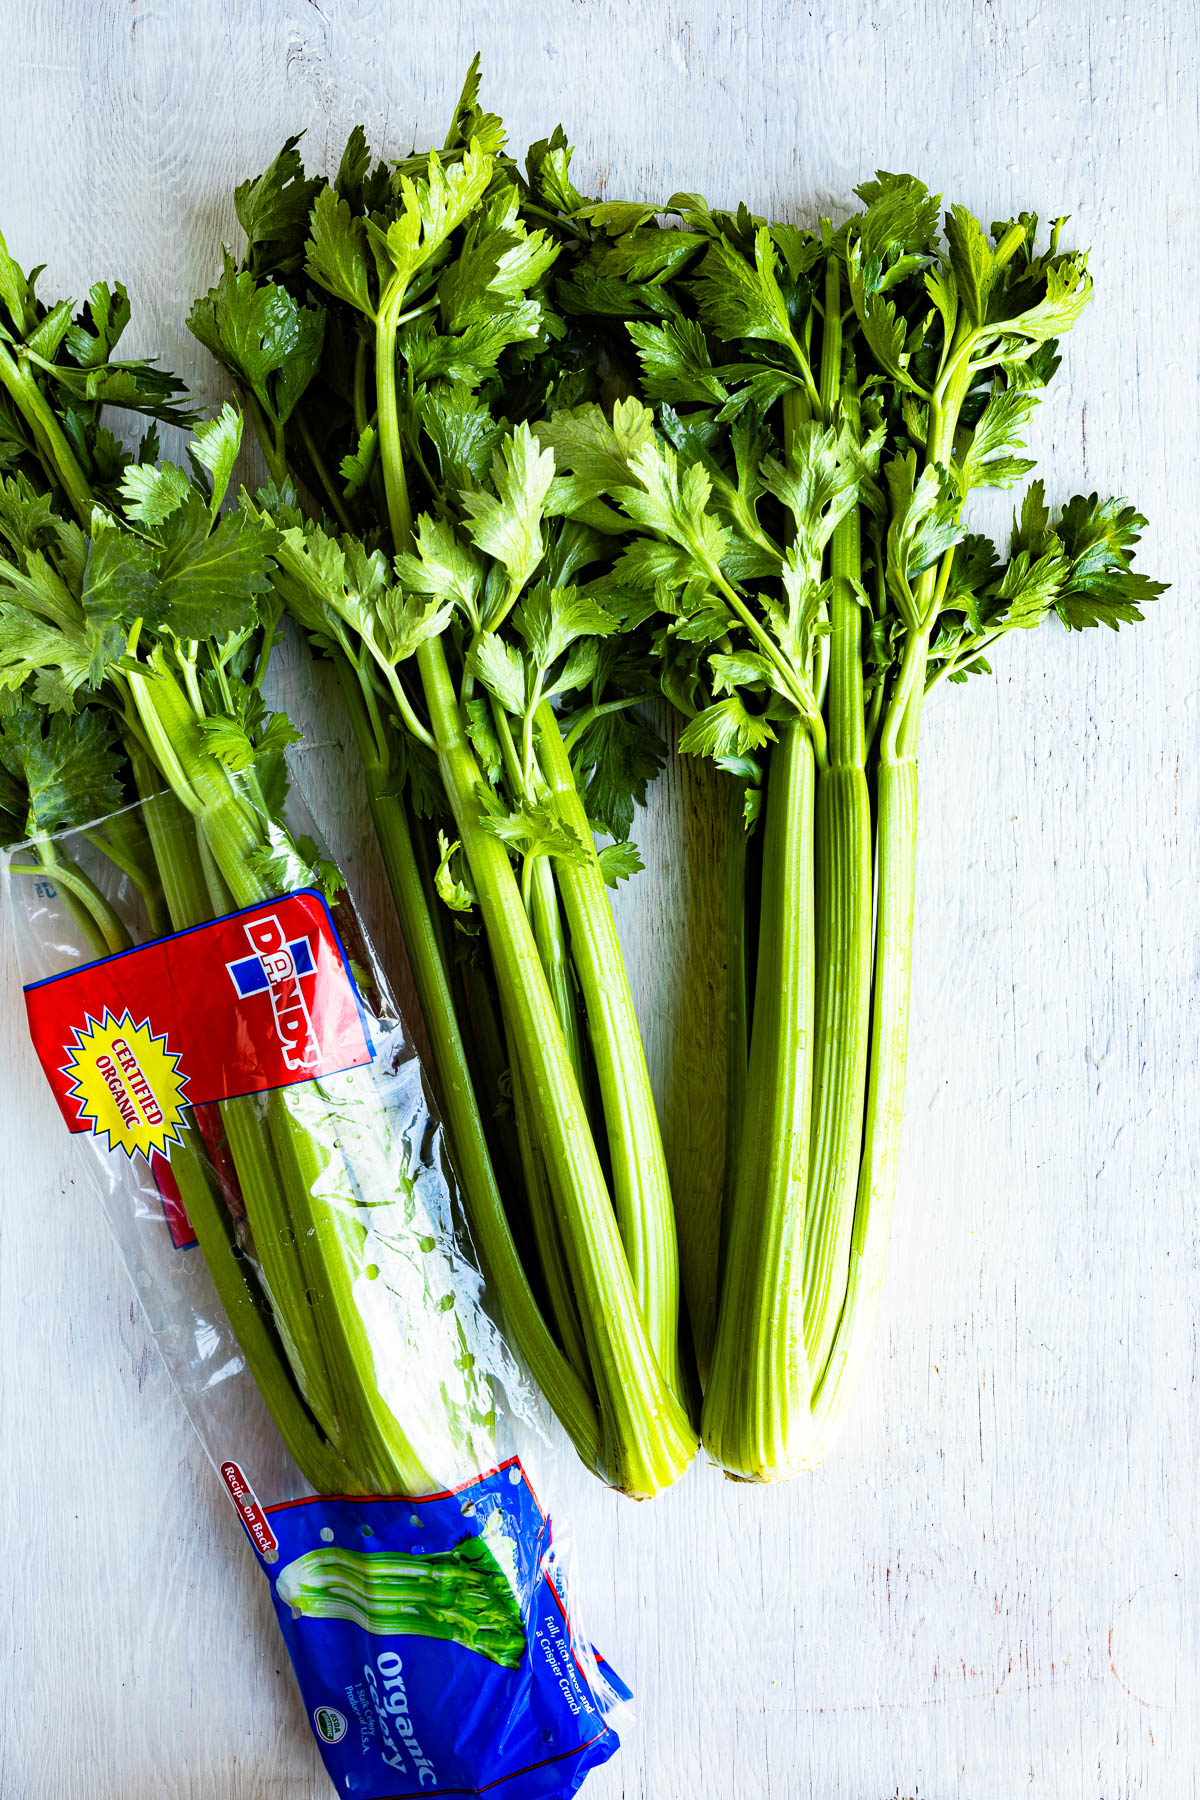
(994, 1586)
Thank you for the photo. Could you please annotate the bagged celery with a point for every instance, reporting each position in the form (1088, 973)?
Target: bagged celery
(247, 1089)
(211, 1019)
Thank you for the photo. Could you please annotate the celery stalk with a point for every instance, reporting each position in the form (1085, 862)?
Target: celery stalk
(843, 904)
(546, 1232)
(545, 915)
(700, 1136)
(737, 994)
(843, 918)
(756, 1406)
(641, 1191)
(897, 853)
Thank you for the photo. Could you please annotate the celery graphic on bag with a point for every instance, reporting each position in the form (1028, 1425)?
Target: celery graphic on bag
(461, 1594)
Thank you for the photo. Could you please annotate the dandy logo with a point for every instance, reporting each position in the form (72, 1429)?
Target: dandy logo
(279, 968)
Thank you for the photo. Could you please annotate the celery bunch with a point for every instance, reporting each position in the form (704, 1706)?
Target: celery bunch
(391, 335)
(789, 494)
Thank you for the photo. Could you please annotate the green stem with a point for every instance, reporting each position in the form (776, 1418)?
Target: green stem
(641, 1187)
(539, 891)
(361, 378)
(478, 1009)
(795, 408)
(62, 463)
(220, 900)
(387, 407)
(843, 1011)
(811, 395)
(188, 658)
(831, 342)
(123, 843)
(843, 892)
(307, 1136)
(269, 442)
(110, 932)
(847, 719)
(276, 1237)
(770, 649)
(78, 911)
(589, 717)
(737, 997)
(896, 827)
(546, 918)
(404, 706)
(172, 845)
(362, 418)
(547, 1234)
(897, 856)
(336, 504)
(755, 1419)
(964, 657)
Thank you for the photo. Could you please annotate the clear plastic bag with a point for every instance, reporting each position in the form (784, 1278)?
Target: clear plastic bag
(263, 1143)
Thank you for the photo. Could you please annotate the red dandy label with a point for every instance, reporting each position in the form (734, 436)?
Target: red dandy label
(257, 1000)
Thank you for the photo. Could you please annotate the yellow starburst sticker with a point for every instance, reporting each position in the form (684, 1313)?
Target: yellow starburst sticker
(127, 1084)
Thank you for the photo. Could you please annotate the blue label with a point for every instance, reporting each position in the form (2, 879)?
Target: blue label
(432, 1647)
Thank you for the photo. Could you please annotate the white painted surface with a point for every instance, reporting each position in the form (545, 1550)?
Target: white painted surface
(994, 1587)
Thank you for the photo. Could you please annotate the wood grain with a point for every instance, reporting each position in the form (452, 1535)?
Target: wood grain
(993, 1588)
